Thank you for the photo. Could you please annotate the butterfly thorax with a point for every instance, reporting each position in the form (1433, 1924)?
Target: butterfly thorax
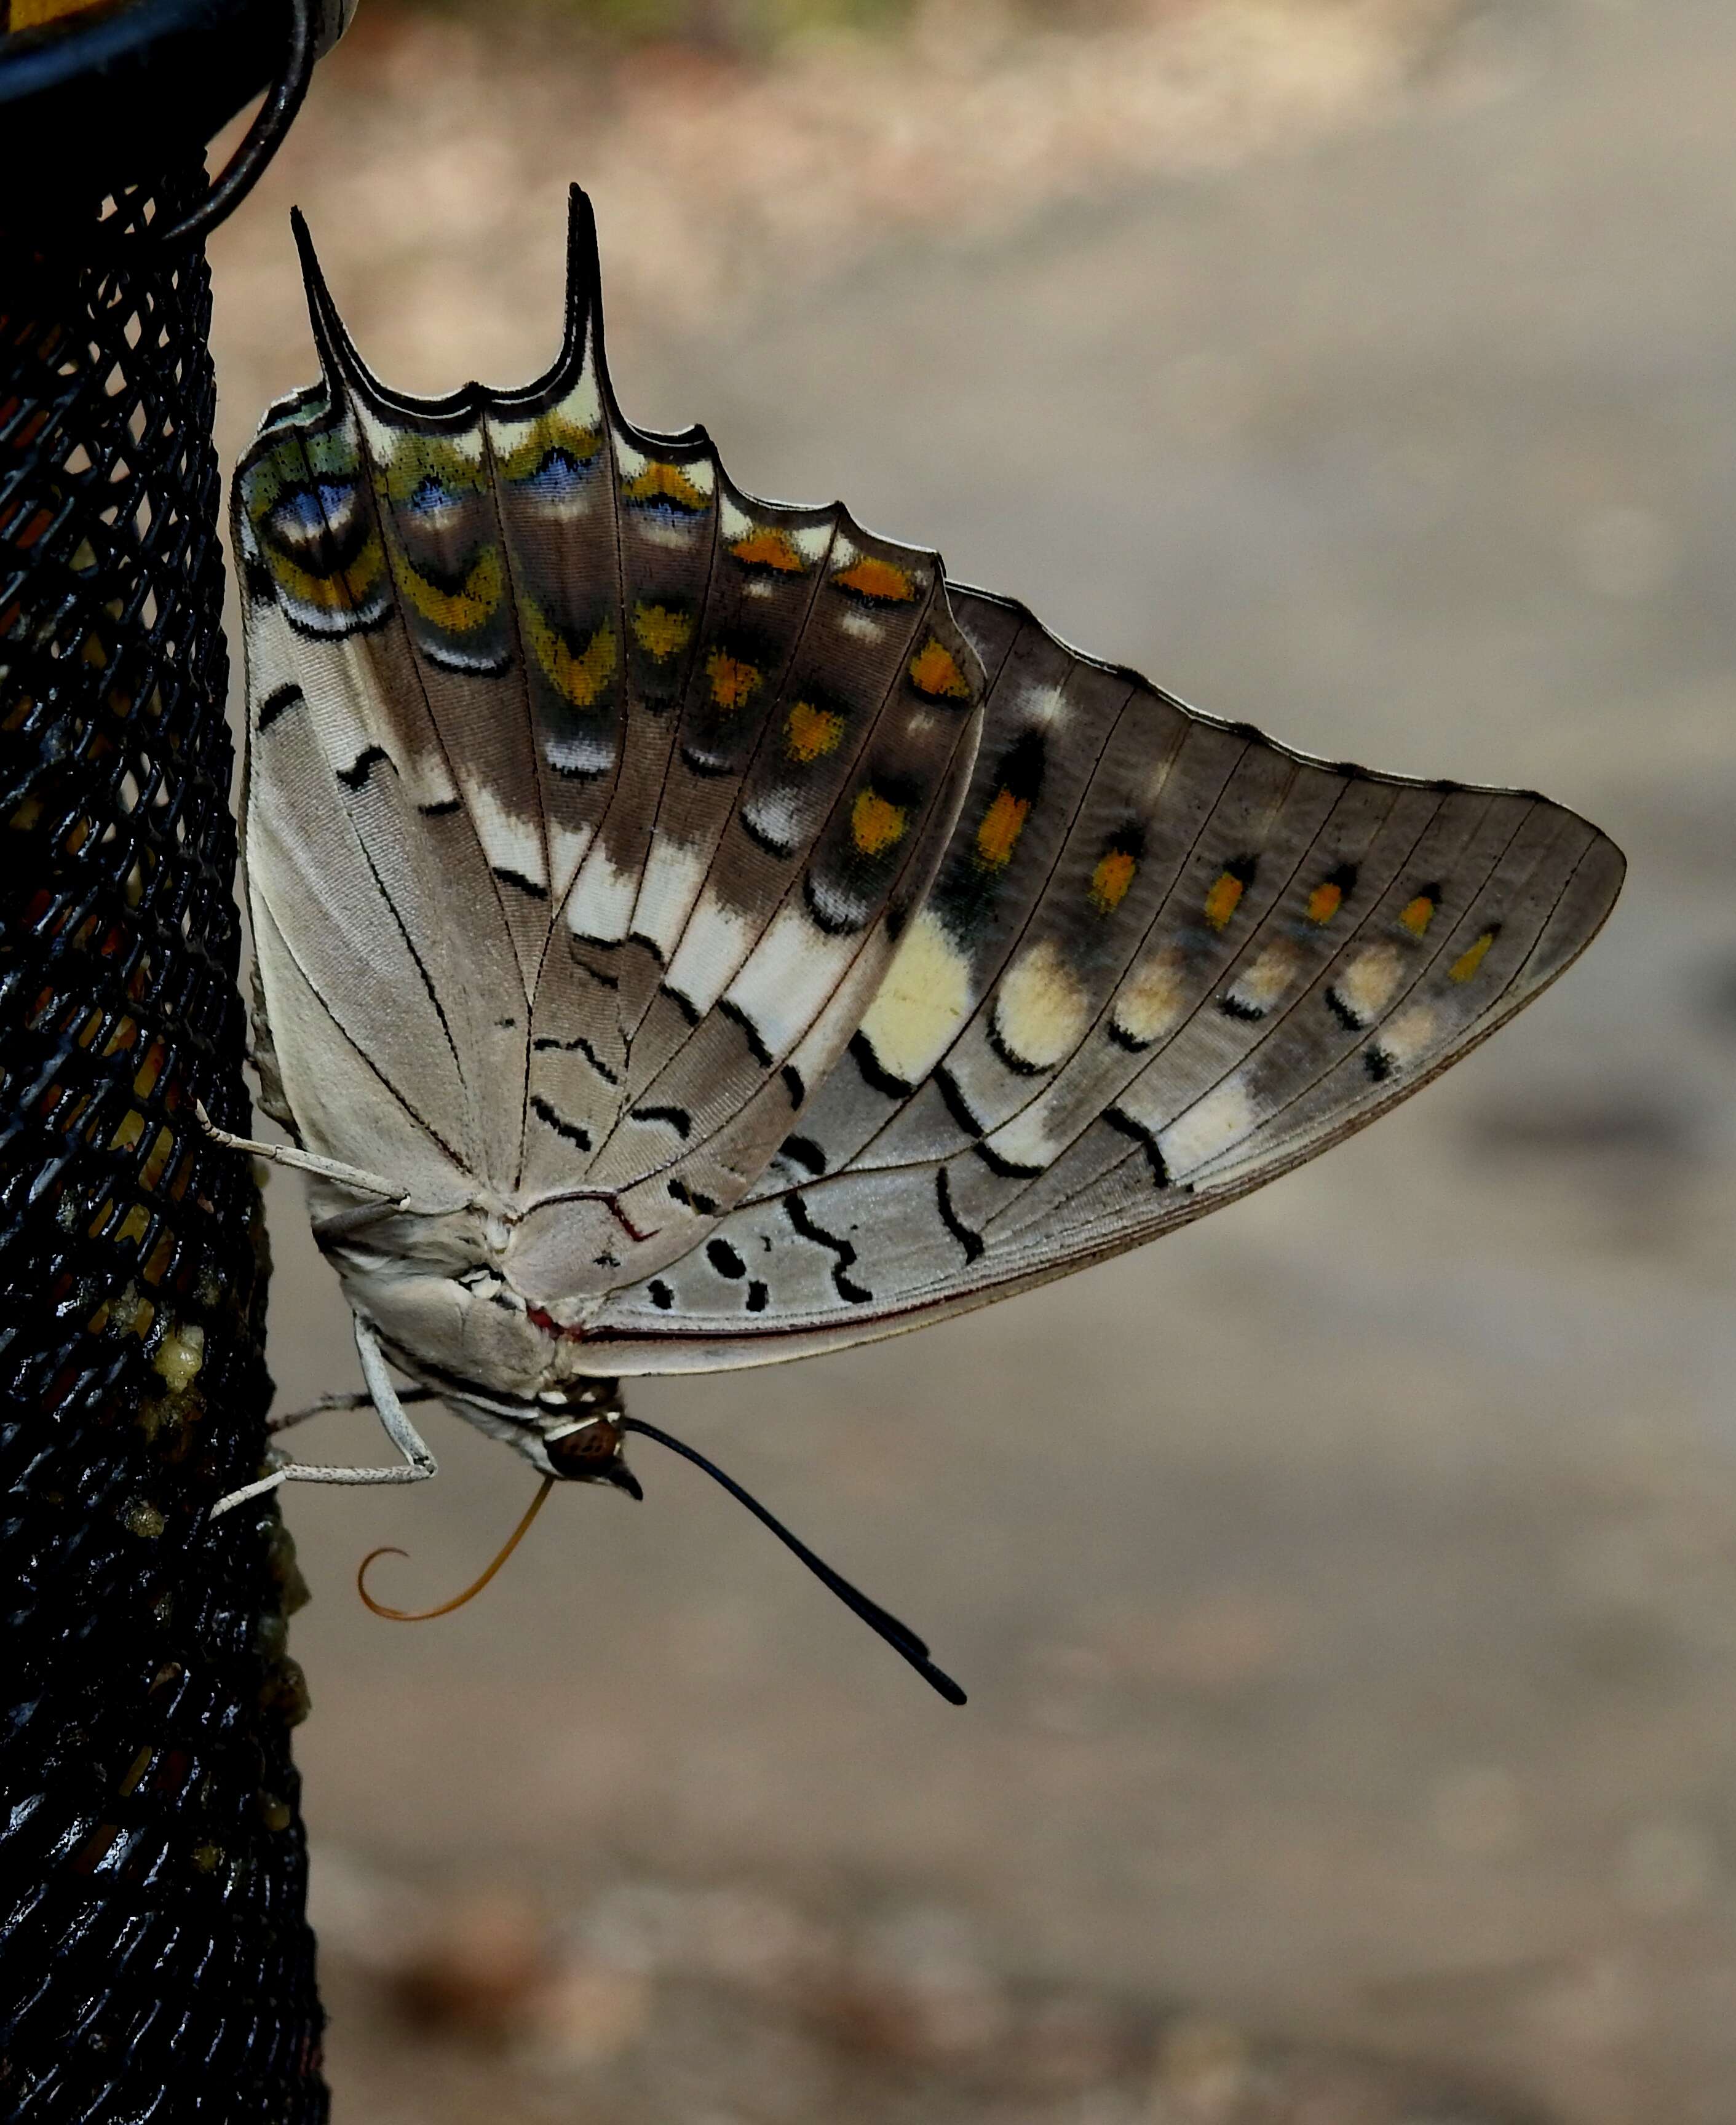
(431, 1289)
(493, 1294)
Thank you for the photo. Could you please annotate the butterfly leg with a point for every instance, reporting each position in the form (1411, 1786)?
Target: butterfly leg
(359, 1398)
(418, 1463)
(305, 1162)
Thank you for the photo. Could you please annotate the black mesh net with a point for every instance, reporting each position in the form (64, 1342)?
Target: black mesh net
(155, 1959)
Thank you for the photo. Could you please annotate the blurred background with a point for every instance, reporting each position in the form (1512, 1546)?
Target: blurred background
(1346, 1587)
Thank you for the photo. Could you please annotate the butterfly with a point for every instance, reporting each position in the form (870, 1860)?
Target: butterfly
(690, 932)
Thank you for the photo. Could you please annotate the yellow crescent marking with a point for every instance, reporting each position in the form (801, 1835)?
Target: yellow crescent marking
(1223, 899)
(459, 611)
(661, 631)
(769, 547)
(333, 593)
(664, 482)
(1111, 880)
(525, 460)
(1418, 915)
(934, 671)
(416, 459)
(813, 733)
(1003, 823)
(578, 678)
(876, 825)
(1467, 963)
(875, 578)
(1324, 901)
(733, 681)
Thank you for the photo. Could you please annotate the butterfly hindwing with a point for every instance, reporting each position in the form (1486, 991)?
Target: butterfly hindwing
(1216, 958)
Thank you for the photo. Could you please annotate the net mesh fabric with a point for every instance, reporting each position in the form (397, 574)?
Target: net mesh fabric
(155, 1959)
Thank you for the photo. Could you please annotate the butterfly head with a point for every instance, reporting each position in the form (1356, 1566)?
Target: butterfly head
(575, 1433)
(589, 1449)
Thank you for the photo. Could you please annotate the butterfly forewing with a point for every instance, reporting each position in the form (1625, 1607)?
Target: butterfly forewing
(360, 852)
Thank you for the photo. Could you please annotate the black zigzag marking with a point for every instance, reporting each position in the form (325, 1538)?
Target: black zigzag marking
(799, 1216)
(579, 1045)
(676, 1118)
(353, 776)
(558, 1122)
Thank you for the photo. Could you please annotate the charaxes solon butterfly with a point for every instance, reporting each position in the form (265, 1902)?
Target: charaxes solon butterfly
(690, 932)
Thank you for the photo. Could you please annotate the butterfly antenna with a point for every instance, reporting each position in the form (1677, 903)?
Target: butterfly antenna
(470, 1592)
(902, 1639)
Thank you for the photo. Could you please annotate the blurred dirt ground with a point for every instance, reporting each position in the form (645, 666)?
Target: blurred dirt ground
(1347, 1589)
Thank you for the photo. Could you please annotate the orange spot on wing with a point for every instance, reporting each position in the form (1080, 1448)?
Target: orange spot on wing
(1003, 823)
(875, 823)
(769, 547)
(934, 671)
(813, 733)
(1324, 901)
(1418, 914)
(1110, 881)
(1466, 966)
(734, 681)
(870, 577)
(1223, 899)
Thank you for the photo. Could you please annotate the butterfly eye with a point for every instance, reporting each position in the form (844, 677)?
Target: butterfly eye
(593, 1446)
(591, 1454)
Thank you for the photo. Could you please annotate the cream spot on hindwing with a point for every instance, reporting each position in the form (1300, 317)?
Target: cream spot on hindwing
(922, 1005)
(1213, 1125)
(1041, 1011)
(1261, 985)
(1365, 987)
(1152, 1002)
